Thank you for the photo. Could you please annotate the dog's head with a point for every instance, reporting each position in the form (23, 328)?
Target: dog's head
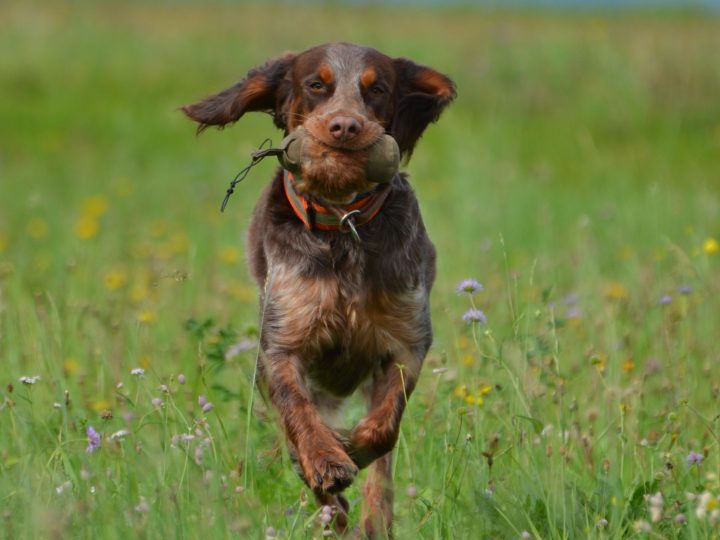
(346, 97)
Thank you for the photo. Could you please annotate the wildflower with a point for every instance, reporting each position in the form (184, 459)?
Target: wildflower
(439, 370)
(146, 316)
(181, 378)
(411, 491)
(474, 316)
(70, 366)
(164, 389)
(616, 291)
(142, 507)
(656, 506)
(685, 289)
(270, 533)
(240, 347)
(468, 286)
(29, 380)
(208, 407)
(628, 365)
(574, 313)
(229, 255)
(706, 503)
(86, 227)
(643, 526)
(680, 519)
(711, 246)
(65, 486)
(137, 372)
(665, 299)
(202, 400)
(57, 405)
(525, 535)
(114, 279)
(571, 299)
(93, 440)
(694, 458)
(119, 435)
(157, 402)
(95, 206)
(602, 523)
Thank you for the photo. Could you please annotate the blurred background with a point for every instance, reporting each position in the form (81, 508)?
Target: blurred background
(582, 157)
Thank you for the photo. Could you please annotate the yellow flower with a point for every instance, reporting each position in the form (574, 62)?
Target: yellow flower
(616, 291)
(474, 400)
(468, 359)
(95, 206)
(115, 279)
(146, 316)
(484, 389)
(599, 361)
(100, 405)
(70, 366)
(460, 391)
(86, 227)
(711, 246)
(229, 255)
(144, 361)
(37, 228)
(628, 365)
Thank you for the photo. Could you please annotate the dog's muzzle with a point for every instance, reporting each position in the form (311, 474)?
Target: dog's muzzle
(382, 163)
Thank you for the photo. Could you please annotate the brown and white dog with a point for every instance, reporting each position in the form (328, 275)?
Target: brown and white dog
(340, 314)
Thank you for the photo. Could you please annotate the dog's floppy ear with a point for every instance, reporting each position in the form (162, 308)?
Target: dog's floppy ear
(262, 89)
(421, 95)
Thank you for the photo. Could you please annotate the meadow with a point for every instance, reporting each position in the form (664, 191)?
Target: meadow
(577, 178)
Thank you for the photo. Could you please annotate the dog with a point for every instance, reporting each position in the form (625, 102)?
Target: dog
(340, 312)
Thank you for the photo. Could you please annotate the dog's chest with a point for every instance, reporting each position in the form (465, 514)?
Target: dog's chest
(341, 315)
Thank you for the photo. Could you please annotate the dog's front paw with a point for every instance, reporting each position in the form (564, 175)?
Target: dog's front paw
(367, 442)
(329, 472)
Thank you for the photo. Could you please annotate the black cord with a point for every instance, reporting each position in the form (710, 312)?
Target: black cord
(265, 149)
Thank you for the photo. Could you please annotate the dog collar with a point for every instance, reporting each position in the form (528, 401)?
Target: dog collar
(318, 214)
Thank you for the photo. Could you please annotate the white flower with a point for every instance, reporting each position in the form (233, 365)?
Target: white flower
(119, 435)
(137, 372)
(29, 380)
(65, 486)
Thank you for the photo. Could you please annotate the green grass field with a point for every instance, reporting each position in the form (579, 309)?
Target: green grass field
(577, 177)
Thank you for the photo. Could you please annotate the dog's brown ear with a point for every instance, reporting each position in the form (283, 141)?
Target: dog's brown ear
(421, 95)
(262, 89)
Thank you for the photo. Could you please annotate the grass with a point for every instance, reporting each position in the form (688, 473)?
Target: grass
(575, 177)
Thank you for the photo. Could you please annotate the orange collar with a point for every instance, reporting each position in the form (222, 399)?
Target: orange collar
(331, 217)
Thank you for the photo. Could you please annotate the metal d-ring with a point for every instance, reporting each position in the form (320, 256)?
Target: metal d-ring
(345, 220)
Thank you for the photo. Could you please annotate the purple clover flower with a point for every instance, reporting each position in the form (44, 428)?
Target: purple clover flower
(93, 440)
(694, 458)
(665, 299)
(474, 316)
(685, 289)
(207, 407)
(241, 346)
(202, 400)
(468, 286)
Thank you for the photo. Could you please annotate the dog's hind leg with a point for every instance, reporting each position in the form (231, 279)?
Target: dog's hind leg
(377, 509)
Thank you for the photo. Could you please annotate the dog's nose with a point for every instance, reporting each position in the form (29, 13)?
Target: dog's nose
(344, 128)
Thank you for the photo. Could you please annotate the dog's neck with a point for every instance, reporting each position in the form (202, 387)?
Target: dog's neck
(321, 214)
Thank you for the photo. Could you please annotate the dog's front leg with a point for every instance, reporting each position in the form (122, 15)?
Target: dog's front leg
(325, 465)
(376, 434)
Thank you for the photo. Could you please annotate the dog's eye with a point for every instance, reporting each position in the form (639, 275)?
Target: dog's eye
(316, 85)
(377, 90)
